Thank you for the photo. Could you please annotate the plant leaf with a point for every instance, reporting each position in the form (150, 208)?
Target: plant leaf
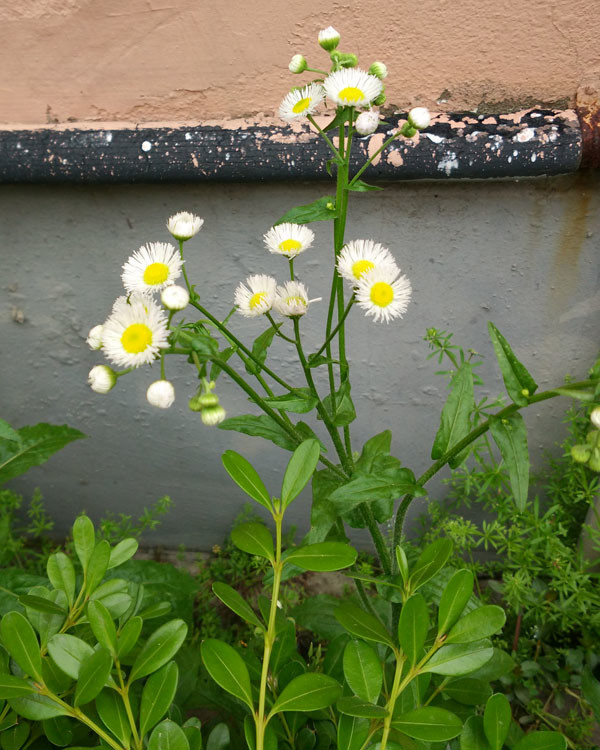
(299, 470)
(413, 626)
(456, 416)
(262, 426)
(19, 639)
(590, 687)
(362, 670)
(236, 603)
(157, 695)
(93, 675)
(168, 736)
(61, 573)
(468, 691)
(459, 659)
(102, 626)
(429, 724)
(129, 635)
(510, 435)
(255, 539)
(14, 687)
(260, 347)
(362, 624)
(68, 653)
(122, 552)
(246, 477)
(480, 623)
(472, 736)
(455, 596)
(352, 705)
(323, 556)
(496, 720)
(515, 375)
(542, 741)
(430, 562)
(160, 648)
(308, 692)
(299, 402)
(112, 711)
(352, 732)
(362, 187)
(84, 539)
(227, 669)
(36, 707)
(368, 488)
(323, 209)
(41, 604)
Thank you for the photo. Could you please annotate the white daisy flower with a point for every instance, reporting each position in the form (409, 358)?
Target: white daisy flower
(289, 239)
(292, 299)
(151, 268)
(301, 102)
(94, 339)
(352, 87)
(183, 226)
(257, 298)
(419, 118)
(134, 333)
(329, 38)
(175, 297)
(383, 294)
(367, 122)
(161, 394)
(361, 256)
(101, 378)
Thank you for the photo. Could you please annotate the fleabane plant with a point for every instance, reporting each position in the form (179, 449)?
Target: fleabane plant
(364, 488)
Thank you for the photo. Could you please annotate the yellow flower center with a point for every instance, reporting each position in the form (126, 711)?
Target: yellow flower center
(256, 300)
(156, 273)
(382, 294)
(287, 246)
(351, 94)
(295, 300)
(136, 338)
(360, 267)
(302, 105)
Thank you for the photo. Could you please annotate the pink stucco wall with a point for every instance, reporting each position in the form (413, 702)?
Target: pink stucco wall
(194, 60)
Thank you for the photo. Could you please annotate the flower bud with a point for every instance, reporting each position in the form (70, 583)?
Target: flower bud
(329, 38)
(297, 64)
(183, 226)
(161, 394)
(94, 339)
(213, 415)
(194, 404)
(595, 417)
(174, 297)
(379, 70)
(594, 462)
(347, 60)
(102, 378)
(208, 400)
(381, 99)
(367, 122)
(581, 453)
(419, 118)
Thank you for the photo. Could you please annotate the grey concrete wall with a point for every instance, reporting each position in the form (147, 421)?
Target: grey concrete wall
(521, 254)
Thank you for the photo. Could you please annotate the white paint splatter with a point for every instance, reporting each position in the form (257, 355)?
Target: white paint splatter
(109, 137)
(434, 138)
(188, 136)
(533, 157)
(525, 135)
(448, 164)
(515, 153)
(536, 114)
(146, 146)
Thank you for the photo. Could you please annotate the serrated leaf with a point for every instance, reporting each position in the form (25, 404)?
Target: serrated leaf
(299, 471)
(246, 477)
(323, 209)
(515, 375)
(157, 695)
(308, 692)
(227, 669)
(230, 597)
(510, 435)
(362, 670)
(260, 426)
(255, 539)
(160, 648)
(412, 627)
(7, 432)
(93, 675)
(362, 624)
(455, 421)
(35, 446)
(19, 639)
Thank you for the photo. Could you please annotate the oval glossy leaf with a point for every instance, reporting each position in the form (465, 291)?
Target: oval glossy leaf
(352, 732)
(102, 625)
(160, 648)
(362, 670)
(459, 659)
(157, 696)
(84, 539)
(362, 624)
(45, 623)
(299, 470)
(129, 635)
(255, 539)
(68, 653)
(41, 604)
(468, 691)
(413, 626)
(323, 556)
(61, 573)
(429, 724)
(93, 674)
(352, 705)
(193, 731)
(14, 737)
(454, 599)
(168, 736)
(246, 477)
(19, 639)
(308, 692)
(218, 739)
(97, 566)
(496, 720)
(122, 552)
(112, 711)
(431, 561)
(14, 687)
(542, 741)
(227, 669)
(59, 730)
(36, 707)
(480, 623)
(236, 603)
(472, 736)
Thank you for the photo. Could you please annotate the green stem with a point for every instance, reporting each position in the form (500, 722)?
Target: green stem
(377, 536)
(260, 720)
(375, 155)
(278, 329)
(184, 272)
(395, 692)
(336, 329)
(77, 713)
(124, 692)
(325, 137)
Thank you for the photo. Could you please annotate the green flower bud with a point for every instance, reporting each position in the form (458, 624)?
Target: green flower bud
(595, 417)
(581, 453)
(347, 60)
(379, 70)
(213, 415)
(297, 64)
(329, 38)
(594, 462)
(194, 403)
(380, 99)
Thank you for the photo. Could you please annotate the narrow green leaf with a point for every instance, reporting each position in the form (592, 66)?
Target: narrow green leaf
(122, 552)
(157, 695)
(68, 653)
(341, 118)
(245, 476)
(129, 635)
(472, 736)
(412, 627)
(47, 623)
(61, 573)
(344, 412)
(510, 435)
(429, 724)
(97, 566)
(362, 624)
(352, 732)
(230, 598)
(456, 415)
(14, 687)
(454, 599)
(496, 720)
(19, 639)
(323, 209)
(102, 625)
(362, 670)
(93, 674)
(542, 741)
(308, 692)
(112, 711)
(402, 564)
(168, 736)
(7, 432)
(369, 488)
(299, 470)
(431, 561)
(84, 539)
(262, 426)
(294, 402)
(468, 691)
(160, 648)
(352, 705)
(203, 344)
(480, 623)
(227, 669)
(323, 556)
(519, 383)
(459, 659)
(260, 347)
(40, 604)
(36, 707)
(362, 187)
(255, 539)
